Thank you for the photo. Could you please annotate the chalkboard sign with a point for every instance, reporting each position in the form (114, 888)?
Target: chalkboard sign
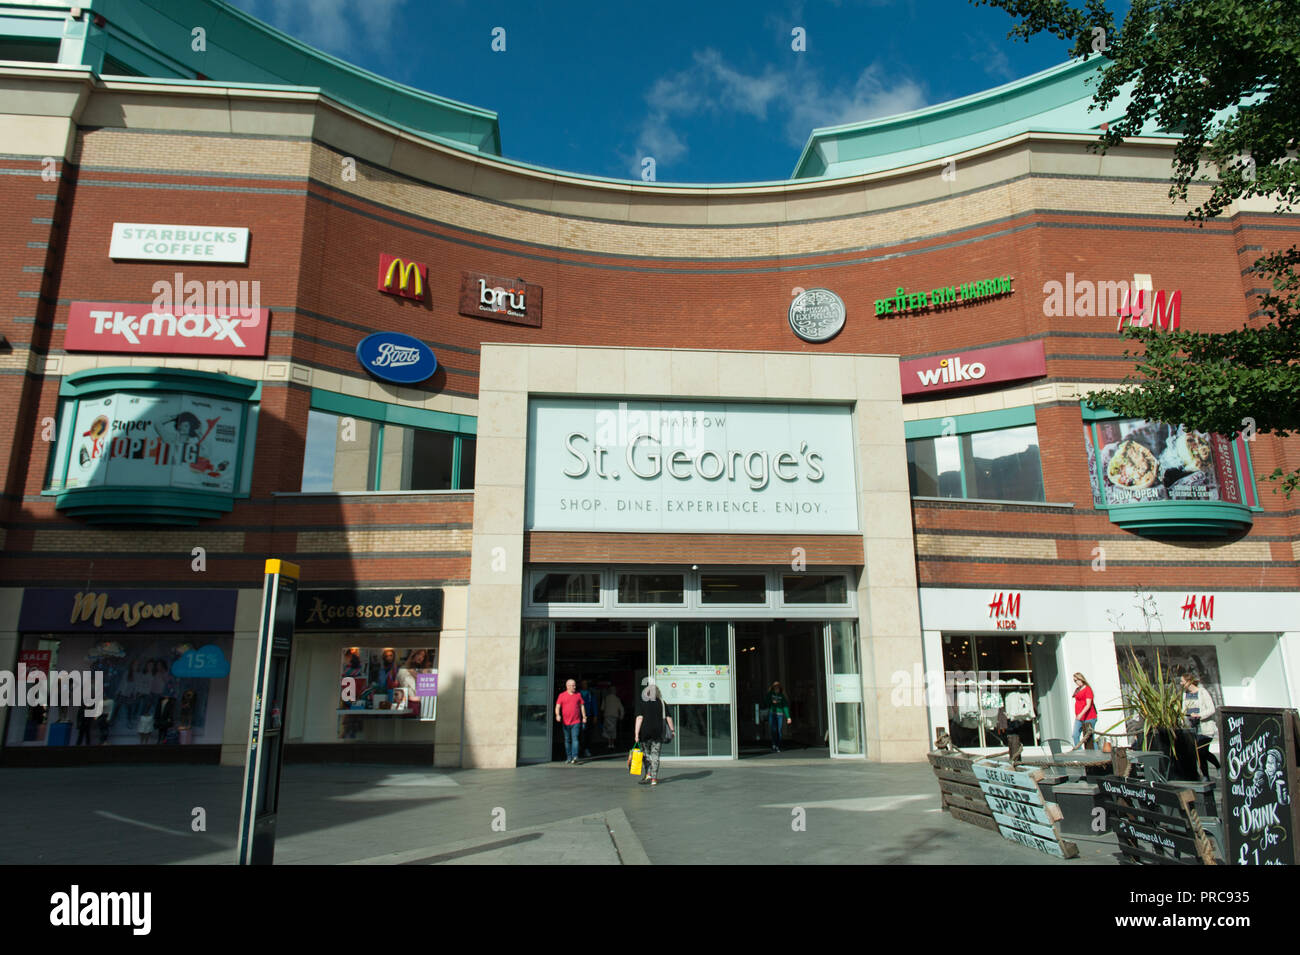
(1261, 818)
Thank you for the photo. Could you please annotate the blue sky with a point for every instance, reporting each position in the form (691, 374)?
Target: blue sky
(712, 90)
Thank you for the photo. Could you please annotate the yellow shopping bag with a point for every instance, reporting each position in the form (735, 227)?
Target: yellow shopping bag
(634, 761)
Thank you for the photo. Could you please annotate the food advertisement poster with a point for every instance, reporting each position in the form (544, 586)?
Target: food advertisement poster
(1140, 461)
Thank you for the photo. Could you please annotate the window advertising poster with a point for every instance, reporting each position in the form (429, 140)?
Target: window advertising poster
(169, 689)
(385, 681)
(156, 440)
(1138, 461)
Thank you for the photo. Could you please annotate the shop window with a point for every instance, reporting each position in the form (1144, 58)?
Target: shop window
(385, 682)
(157, 689)
(733, 588)
(349, 453)
(153, 445)
(815, 589)
(998, 464)
(650, 589)
(1168, 480)
(567, 589)
(990, 682)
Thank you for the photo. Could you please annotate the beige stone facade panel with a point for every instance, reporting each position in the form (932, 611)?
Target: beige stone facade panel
(272, 157)
(960, 545)
(141, 541)
(384, 540)
(1161, 552)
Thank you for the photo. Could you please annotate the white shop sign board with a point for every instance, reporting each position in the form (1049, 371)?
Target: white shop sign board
(690, 466)
(166, 242)
(1063, 611)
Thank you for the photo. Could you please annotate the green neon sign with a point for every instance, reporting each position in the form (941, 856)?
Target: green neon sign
(904, 301)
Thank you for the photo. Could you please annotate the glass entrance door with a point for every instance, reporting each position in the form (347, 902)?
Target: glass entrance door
(535, 699)
(694, 666)
(846, 688)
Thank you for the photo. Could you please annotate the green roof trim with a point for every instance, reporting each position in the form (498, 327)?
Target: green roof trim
(156, 38)
(1053, 100)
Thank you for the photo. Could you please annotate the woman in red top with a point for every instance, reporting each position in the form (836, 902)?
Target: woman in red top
(1085, 710)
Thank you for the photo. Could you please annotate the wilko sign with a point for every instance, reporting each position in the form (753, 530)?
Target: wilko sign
(138, 329)
(1005, 609)
(979, 366)
(395, 357)
(1198, 611)
(500, 299)
(402, 277)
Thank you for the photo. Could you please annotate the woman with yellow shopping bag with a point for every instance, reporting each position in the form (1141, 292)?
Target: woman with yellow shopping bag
(654, 727)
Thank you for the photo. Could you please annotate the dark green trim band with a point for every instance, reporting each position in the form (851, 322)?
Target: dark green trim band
(367, 408)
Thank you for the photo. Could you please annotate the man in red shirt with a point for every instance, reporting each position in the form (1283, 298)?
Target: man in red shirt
(570, 711)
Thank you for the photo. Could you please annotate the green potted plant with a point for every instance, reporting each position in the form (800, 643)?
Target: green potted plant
(1157, 703)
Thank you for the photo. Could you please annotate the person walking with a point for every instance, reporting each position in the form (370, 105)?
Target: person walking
(613, 713)
(778, 713)
(1085, 710)
(1198, 707)
(651, 721)
(589, 702)
(572, 714)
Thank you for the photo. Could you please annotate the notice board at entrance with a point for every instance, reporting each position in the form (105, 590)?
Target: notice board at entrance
(687, 685)
(1259, 779)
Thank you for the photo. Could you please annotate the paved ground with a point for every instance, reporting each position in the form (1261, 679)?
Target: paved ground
(593, 813)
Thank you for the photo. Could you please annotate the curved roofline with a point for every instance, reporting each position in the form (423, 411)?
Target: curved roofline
(1057, 98)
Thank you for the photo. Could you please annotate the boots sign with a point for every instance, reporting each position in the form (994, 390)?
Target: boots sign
(500, 299)
(973, 367)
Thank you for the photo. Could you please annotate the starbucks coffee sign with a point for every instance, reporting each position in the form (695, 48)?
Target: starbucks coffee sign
(690, 466)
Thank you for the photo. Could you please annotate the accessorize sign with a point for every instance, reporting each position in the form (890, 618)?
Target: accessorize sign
(978, 366)
(127, 611)
(1137, 460)
(178, 243)
(500, 299)
(690, 466)
(393, 609)
(904, 301)
(156, 440)
(402, 277)
(395, 357)
(138, 329)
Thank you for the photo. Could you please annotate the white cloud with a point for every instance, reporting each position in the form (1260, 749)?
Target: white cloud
(712, 87)
(336, 26)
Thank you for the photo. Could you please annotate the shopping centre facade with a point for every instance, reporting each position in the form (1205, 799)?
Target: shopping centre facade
(518, 425)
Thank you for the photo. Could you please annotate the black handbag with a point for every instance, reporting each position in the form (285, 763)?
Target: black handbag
(668, 730)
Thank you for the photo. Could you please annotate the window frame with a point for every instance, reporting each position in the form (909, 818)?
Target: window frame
(1006, 419)
(382, 414)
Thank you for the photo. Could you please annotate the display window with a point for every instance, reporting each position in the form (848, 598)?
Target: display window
(992, 689)
(1238, 669)
(385, 682)
(158, 690)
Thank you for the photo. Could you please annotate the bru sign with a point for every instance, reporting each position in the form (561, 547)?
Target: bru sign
(500, 299)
